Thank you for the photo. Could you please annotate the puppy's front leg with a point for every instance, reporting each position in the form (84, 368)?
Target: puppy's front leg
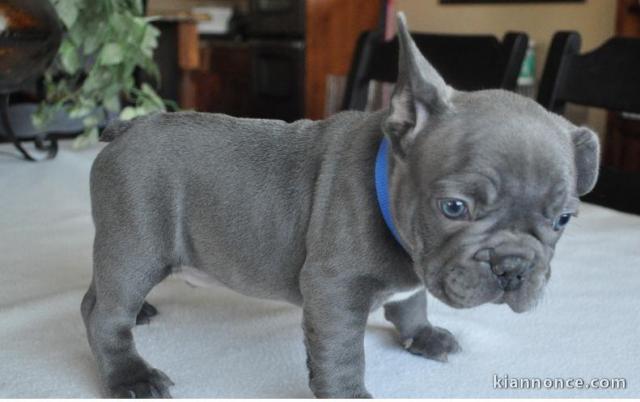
(334, 320)
(409, 316)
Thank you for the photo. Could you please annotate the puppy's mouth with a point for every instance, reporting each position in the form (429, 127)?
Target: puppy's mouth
(464, 287)
(456, 300)
(461, 291)
(496, 296)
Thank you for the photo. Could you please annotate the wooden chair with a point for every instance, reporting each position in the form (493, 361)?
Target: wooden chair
(607, 77)
(467, 62)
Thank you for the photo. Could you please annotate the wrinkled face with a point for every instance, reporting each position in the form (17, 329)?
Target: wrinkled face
(481, 184)
(494, 196)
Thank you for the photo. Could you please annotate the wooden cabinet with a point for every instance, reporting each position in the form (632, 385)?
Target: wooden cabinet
(628, 18)
(271, 74)
(332, 29)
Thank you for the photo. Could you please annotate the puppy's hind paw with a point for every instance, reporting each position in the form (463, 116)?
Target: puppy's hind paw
(433, 343)
(153, 384)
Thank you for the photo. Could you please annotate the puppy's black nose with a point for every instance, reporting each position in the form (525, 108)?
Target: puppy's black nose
(510, 271)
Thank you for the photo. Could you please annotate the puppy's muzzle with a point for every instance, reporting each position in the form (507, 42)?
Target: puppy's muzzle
(509, 267)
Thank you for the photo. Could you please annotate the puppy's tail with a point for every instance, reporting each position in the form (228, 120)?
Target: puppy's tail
(115, 129)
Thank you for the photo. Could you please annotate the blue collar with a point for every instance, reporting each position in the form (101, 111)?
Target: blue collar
(382, 187)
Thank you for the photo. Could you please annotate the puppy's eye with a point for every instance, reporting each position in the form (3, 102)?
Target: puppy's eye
(561, 221)
(454, 208)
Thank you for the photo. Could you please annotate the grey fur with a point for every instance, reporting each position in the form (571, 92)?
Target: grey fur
(288, 211)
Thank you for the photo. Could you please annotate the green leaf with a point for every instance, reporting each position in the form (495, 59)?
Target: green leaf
(77, 34)
(69, 57)
(149, 108)
(149, 40)
(41, 116)
(150, 67)
(91, 44)
(128, 83)
(112, 103)
(87, 138)
(130, 112)
(120, 23)
(110, 54)
(113, 89)
(68, 11)
(98, 78)
(38, 120)
(78, 111)
(171, 105)
(137, 30)
(152, 95)
(137, 7)
(91, 120)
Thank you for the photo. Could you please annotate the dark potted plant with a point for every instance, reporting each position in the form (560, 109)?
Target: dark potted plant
(93, 75)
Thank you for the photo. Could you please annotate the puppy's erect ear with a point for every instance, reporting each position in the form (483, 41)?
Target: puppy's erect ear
(419, 94)
(587, 159)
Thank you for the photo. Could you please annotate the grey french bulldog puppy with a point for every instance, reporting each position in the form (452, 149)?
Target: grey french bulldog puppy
(480, 186)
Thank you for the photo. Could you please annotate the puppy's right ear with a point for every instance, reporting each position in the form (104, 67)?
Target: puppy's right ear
(420, 93)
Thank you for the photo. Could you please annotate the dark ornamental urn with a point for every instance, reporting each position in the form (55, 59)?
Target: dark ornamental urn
(30, 34)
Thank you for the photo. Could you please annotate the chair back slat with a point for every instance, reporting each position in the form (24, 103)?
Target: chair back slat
(607, 77)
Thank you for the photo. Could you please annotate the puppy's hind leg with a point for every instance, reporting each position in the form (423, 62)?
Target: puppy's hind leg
(409, 316)
(147, 311)
(111, 309)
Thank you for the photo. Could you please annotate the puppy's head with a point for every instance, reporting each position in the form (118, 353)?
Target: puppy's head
(482, 184)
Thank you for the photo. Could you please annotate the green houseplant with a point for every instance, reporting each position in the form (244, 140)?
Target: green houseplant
(93, 73)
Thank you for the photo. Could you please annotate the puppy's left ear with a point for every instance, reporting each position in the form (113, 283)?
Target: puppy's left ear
(587, 159)
(420, 93)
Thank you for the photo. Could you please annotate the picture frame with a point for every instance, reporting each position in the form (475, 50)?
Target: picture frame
(448, 2)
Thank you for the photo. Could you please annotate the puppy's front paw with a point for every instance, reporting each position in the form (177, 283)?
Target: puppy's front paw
(433, 343)
(152, 384)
